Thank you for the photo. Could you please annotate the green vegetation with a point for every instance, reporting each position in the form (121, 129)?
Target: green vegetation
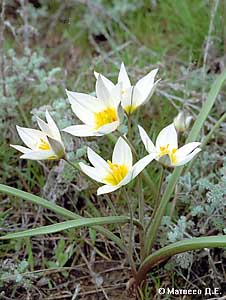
(52, 45)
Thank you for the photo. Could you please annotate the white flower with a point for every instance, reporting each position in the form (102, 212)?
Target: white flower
(167, 147)
(100, 115)
(182, 122)
(137, 95)
(41, 144)
(117, 172)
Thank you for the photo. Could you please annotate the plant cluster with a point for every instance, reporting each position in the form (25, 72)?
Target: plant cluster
(104, 114)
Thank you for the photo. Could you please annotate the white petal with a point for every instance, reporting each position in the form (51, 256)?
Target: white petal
(44, 127)
(141, 164)
(131, 97)
(103, 94)
(91, 172)
(97, 161)
(80, 130)
(151, 91)
(108, 128)
(31, 137)
(88, 102)
(105, 189)
(108, 83)
(39, 155)
(116, 95)
(86, 116)
(185, 159)
(146, 83)
(187, 149)
(167, 135)
(122, 153)
(149, 146)
(123, 77)
(21, 148)
(53, 127)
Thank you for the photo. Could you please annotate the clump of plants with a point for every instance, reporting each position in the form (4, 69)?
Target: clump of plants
(113, 112)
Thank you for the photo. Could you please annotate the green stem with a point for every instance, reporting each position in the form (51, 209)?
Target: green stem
(153, 228)
(130, 250)
(141, 217)
(157, 199)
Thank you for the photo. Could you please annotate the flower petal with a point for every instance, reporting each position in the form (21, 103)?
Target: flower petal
(103, 94)
(53, 127)
(149, 146)
(44, 127)
(122, 153)
(105, 189)
(86, 116)
(145, 84)
(80, 130)
(108, 83)
(123, 77)
(187, 149)
(183, 160)
(141, 164)
(106, 129)
(97, 161)
(31, 137)
(88, 102)
(91, 172)
(167, 135)
(39, 155)
(131, 97)
(21, 148)
(116, 95)
(151, 92)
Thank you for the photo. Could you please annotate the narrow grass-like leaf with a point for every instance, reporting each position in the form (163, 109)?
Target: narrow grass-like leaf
(207, 105)
(58, 210)
(67, 225)
(186, 245)
(39, 201)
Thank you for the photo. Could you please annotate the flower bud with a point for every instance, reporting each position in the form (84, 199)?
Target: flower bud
(182, 122)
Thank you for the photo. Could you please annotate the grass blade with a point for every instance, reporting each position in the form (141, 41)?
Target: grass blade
(176, 248)
(67, 225)
(58, 210)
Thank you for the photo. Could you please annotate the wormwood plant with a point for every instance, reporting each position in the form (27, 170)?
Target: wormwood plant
(114, 106)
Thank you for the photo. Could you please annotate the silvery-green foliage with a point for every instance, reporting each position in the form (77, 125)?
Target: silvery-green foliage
(26, 81)
(184, 260)
(11, 272)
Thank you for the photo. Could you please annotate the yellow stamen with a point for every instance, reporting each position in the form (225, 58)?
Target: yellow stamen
(117, 173)
(129, 109)
(104, 117)
(164, 150)
(43, 145)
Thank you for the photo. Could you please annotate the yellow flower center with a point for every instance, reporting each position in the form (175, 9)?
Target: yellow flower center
(117, 173)
(104, 117)
(164, 150)
(129, 109)
(43, 145)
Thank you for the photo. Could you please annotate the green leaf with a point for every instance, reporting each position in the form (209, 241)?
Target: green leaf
(39, 201)
(186, 245)
(67, 225)
(207, 105)
(58, 210)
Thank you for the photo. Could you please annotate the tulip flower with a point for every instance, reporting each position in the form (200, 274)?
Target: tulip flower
(133, 96)
(117, 172)
(41, 144)
(167, 145)
(182, 122)
(100, 115)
